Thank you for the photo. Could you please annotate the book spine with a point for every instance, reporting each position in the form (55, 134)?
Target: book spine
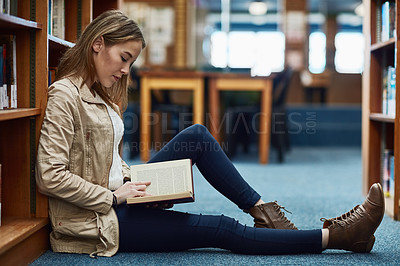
(0, 194)
(50, 17)
(58, 19)
(392, 19)
(4, 55)
(14, 7)
(8, 67)
(14, 74)
(384, 91)
(52, 74)
(386, 173)
(5, 96)
(391, 86)
(385, 21)
(378, 30)
(391, 179)
(5, 6)
(1, 65)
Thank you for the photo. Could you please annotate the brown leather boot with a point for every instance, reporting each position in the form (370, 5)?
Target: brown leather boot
(269, 215)
(354, 230)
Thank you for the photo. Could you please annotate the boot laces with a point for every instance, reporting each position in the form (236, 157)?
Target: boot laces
(346, 219)
(281, 214)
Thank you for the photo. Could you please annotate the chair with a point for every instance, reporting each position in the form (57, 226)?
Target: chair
(242, 127)
(315, 86)
(170, 108)
(279, 124)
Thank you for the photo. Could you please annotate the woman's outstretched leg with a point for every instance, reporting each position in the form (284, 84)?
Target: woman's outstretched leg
(154, 230)
(196, 143)
(145, 229)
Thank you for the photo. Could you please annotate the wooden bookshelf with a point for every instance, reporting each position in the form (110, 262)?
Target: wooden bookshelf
(58, 44)
(19, 113)
(25, 225)
(13, 22)
(381, 45)
(24, 212)
(379, 117)
(380, 131)
(15, 230)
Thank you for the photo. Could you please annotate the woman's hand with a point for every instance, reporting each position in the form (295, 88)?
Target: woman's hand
(130, 190)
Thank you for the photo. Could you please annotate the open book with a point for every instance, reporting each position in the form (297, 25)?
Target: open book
(171, 181)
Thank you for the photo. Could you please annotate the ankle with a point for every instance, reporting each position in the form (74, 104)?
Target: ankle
(325, 238)
(259, 202)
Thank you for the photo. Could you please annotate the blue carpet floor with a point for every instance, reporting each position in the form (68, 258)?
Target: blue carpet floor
(312, 183)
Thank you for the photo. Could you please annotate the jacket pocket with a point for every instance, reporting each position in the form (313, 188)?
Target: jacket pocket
(77, 227)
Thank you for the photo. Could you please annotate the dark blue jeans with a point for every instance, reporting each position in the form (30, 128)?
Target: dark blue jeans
(144, 229)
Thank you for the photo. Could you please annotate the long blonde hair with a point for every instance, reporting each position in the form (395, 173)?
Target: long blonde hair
(114, 27)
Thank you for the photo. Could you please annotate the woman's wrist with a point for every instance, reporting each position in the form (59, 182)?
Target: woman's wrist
(115, 200)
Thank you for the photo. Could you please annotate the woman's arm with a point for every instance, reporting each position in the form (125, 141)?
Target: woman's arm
(52, 175)
(126, 171)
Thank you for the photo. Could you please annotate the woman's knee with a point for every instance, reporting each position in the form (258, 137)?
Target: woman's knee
(196, 131)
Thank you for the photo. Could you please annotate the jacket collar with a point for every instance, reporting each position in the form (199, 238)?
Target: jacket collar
(86, 94)
(83, 90)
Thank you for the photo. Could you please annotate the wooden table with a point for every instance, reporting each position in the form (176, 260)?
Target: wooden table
(167, 80)
(241, 82)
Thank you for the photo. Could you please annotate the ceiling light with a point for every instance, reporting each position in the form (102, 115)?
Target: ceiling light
(257, 8)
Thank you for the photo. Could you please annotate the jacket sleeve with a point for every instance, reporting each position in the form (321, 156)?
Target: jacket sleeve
(126, 170)
(52, 175)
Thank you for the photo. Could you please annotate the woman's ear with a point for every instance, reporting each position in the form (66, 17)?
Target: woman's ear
(98, 44)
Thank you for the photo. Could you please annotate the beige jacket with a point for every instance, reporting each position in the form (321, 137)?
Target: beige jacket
(73, 161)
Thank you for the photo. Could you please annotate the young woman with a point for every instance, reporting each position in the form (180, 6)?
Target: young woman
(79, 168)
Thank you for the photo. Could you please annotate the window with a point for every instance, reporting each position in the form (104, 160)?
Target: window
(219, 53)
(349, 57)
(317, 52)
(263, 52)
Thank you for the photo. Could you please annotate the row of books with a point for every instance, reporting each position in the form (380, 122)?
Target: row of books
(388, 173)
(388, 20)
(57, 18)
(8, 72)
(389, 91)
(9, 7)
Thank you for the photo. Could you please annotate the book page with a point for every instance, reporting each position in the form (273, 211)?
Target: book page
(166, 177)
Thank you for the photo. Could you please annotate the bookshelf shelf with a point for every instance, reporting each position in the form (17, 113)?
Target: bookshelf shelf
(382, 45)
(381, 144)
(58, 44)
(15, 230)
(381, 118)
(19, 113)
(12, 22)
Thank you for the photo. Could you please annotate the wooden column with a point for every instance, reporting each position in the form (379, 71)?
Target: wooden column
(180, 47)
(331, 29)
(296, 33)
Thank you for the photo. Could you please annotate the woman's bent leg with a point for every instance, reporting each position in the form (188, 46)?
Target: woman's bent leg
(145, 229)
(198, 144)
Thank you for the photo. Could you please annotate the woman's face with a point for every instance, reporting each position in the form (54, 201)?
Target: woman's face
(112, 62)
